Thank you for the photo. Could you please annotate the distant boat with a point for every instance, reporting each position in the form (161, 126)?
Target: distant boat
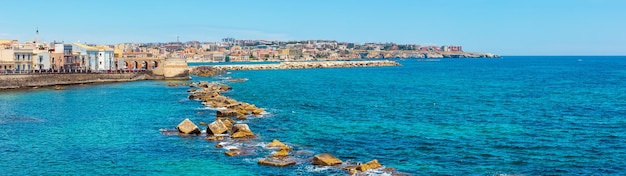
(580, 60)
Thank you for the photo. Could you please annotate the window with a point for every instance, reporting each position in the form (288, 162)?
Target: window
(29, 57)
(53, 60)
(40, 59)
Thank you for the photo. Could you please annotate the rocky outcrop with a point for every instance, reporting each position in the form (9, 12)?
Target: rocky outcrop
(326, 159)
(211, 95)
(282, 155)
(188, 127)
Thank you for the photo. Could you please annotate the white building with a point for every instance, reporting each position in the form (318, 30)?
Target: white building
(41, 60)
(99, 58)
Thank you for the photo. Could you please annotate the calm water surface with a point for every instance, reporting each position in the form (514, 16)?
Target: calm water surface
(515, 115)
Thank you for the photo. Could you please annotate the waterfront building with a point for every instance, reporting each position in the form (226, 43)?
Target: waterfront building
(97, 58)
(23, 59)
(41, 58)
(7, 62)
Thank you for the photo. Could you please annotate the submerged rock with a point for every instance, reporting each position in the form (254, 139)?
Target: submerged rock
(188, 127)
(238, 80)
(215, 138)
(325, 159)
(233, 152)
(278, 161)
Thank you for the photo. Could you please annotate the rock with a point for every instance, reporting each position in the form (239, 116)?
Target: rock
(226, 121)
(216, 127)
(191, 90)
(241, 128)
(215, 138)
(276, 143)
(283, 152)
(241, 116)
(258, 111)
(238, 80)
(233, 152)
(325, 159)
(171, 84)
(351, 169)
(369, 165)
(243, 135)
(242, 111)
(188, 127)
(226, 113)
(59, 88)
(241, 131)
(279, 162)
(224, 87)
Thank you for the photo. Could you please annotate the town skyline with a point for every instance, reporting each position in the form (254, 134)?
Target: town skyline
(579, 27)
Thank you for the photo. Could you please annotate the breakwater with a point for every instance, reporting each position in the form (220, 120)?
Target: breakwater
(302, 65)
(43, 80)
(230, 131)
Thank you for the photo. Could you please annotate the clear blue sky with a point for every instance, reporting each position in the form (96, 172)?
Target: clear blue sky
(506, 27)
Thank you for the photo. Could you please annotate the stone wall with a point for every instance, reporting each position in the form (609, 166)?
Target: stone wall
(41, 80)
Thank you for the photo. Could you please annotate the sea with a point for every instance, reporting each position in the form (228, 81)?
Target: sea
(516, 115)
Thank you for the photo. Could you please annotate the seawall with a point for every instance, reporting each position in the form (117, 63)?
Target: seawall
(304, 65)
(42, 80)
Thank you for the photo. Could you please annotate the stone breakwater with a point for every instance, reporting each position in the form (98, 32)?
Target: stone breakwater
(297, 65)
(235, 137)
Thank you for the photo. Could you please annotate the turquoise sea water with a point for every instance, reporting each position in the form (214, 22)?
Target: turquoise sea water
(515, 115)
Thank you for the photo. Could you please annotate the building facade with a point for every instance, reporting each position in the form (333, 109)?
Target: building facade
(96, 58)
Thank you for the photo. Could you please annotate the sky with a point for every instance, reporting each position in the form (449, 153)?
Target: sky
(505, 27)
